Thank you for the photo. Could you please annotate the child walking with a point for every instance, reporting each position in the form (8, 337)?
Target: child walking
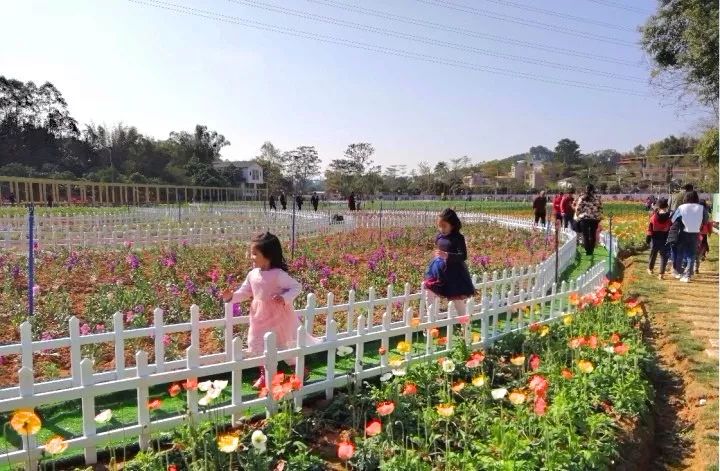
(447, 276)
(272, 291)
(657, 236)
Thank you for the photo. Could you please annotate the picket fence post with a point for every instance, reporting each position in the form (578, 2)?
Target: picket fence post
(88, 409)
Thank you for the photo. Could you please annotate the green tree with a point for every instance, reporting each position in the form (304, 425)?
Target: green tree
(300, 165)
(707, 150)
(681, 40)
(271, 160)
(567, 151)
(203, 144)
(670, 152)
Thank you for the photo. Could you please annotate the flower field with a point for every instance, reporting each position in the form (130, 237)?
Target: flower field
(557, 397)
(94, 284)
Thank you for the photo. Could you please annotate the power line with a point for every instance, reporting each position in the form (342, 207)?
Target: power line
(557, 14)
(431, 41)
(470, 33)
(383, 50)
(622, 6)
(525, 22)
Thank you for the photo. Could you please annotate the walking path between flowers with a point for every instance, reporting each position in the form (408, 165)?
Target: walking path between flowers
(684, 334)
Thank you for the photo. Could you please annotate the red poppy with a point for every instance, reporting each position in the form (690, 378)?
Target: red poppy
(615, 338)
(479, 356)
(539, 385)
(621, 348)
(567, 374)
(592, 341)
(263, 392)
(345, 450)
(382, 351)
(463, 319)
(576, 342)
(172, 467)
(540, 405)
(442, 341)
(374, 427)
(385, 408)
(278, 379)
(174, 390)
(190, 384)
(534, 361)
(295, 383)
(534, 327)
(409, 389)
(154, 404)
(434, 332)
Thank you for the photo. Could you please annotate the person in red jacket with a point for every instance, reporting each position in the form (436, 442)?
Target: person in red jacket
(567, 207)
(557, 208)
(657, 234)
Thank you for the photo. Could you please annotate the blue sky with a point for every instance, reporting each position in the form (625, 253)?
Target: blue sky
(119, 61)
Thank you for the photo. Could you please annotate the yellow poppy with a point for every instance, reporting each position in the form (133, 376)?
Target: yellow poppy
(479, 381)
(415, 321)
(544, 330)
(445, 410)
(25, 422)
(517, 397)
(228, 442)
(585, 366)
(568, 320)
(403, 347)
(518, 360)
(475, 337)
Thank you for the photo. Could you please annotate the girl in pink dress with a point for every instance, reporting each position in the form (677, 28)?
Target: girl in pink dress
(272, 291)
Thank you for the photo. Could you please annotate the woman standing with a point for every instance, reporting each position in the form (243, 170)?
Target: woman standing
(693, 217)
(588, 213)
(540, 208)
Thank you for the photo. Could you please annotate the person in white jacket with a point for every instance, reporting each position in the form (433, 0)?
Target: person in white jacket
(693, 216)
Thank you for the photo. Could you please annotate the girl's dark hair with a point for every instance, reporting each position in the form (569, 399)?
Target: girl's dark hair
(269, 246)
(691, 197)
(590, 190)
(663, 203)
(450, 217)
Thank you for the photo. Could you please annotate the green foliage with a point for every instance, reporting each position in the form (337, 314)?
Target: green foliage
(681, 39)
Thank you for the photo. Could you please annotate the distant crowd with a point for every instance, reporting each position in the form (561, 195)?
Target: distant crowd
(677, 231)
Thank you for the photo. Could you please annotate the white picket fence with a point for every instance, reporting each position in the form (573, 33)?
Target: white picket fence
(147, 227)
(494, 312)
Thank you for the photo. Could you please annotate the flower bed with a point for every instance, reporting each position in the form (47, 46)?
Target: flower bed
(556, 397)
(94, 284)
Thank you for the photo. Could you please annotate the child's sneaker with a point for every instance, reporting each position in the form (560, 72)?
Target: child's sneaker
(685, 279)
(677, 275)
(650, 272)
(661, 276)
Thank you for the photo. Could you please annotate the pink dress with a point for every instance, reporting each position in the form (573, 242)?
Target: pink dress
(267, 315)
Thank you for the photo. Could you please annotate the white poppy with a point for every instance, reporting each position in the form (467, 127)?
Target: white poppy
(344, 350)
(399, 372)
(104, 416)
(205, 400)
(386, 377)
(448, 366)
(259, 441)
(498, 393)
(609, 349)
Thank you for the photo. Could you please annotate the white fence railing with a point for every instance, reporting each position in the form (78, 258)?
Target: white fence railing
(204, 224)
(496, 311)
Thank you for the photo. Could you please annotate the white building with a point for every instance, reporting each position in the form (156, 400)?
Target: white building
(251, 171)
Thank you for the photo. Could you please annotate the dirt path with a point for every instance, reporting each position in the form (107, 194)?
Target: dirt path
(684, 333)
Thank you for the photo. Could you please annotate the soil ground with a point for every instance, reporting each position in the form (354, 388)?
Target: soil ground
(684, 335)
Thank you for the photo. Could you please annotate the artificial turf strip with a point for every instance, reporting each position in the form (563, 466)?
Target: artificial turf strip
(63, 419)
